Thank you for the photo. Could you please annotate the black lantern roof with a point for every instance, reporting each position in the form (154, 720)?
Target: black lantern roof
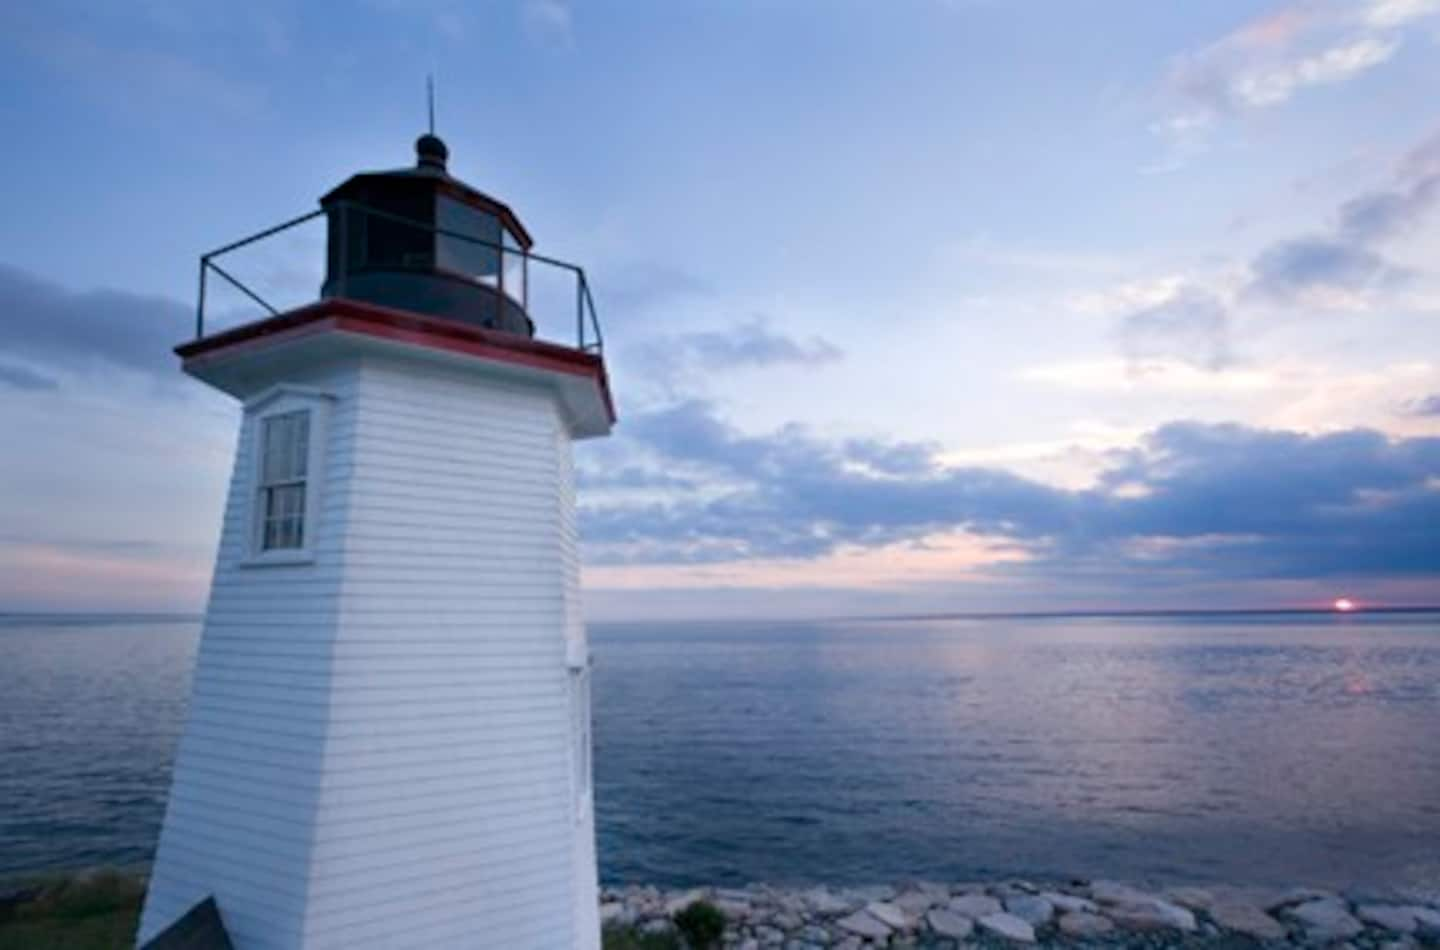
(427, 175)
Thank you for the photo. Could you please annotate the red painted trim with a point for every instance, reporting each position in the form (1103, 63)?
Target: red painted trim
(351, 316)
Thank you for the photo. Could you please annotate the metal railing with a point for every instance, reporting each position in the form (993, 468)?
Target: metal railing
(587, 325)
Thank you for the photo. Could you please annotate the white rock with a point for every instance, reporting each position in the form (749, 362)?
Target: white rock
(825, 903)
(1113, 892)
(1069, 902)
(1035, 911)
(864, 925)
(947, 923)
(888, 914)
(1152, 914)
(1400, 943)
(1195, 898)
(1008, 926)
(1081, 923)
(1326, 919)
(1135, 909)
(732, 909)
(1427, 922)
(917, 902)
(788, 920)
(1301, 895)
(681, 901)
(1246, 919)
(815, 934)
(770, 936)
(1401, 920)
(612, 912)
(749, 943)
(975, 905)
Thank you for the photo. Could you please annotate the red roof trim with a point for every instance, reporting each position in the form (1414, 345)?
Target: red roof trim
(350, 316)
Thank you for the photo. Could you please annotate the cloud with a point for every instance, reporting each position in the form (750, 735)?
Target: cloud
(26, 380)
(1191, 325)
(682, 361)
(1386, 214)
(751, 343)
(1222, 501)
(1287, 268)
(156, 80)
(549, 21)
(1384, 14)
(1340, 266)
(1226, 82)
(72, 332)
(1389, 213)
(630, 477)
(1425, 406)
(1266, 62)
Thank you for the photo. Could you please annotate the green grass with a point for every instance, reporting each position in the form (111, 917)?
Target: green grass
(628, 938)
(97, 910)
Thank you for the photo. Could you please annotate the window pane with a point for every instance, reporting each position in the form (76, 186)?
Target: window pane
(302, 443)
(467, 257)
(284, 517)
(286, 447)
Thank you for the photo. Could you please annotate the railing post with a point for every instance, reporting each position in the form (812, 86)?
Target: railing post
(200, 301)
(580, 308)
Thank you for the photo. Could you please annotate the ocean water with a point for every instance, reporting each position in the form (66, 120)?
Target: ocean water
(1260, 749)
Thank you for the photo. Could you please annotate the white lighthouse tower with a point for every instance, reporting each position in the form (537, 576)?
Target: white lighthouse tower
(388, 741)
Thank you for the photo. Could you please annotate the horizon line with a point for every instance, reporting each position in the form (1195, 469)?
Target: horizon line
(1117, 612)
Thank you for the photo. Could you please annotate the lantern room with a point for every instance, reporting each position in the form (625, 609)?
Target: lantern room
(418, 239)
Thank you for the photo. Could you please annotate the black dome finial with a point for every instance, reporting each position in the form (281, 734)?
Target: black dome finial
(431, 152)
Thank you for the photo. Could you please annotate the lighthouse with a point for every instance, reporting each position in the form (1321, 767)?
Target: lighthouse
(388, 735)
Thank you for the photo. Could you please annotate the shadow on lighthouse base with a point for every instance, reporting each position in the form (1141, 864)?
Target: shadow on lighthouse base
(200, 928)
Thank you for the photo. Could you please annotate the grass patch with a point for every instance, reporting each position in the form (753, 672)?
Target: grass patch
(628, 938)
(703, 925)
(95, 910)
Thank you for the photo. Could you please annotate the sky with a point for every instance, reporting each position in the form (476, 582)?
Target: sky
(914, 306)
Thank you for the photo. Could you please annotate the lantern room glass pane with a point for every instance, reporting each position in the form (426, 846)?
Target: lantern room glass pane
(468, 257)
(514, 268)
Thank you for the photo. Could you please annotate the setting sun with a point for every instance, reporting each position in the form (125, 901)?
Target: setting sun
(1344, 604)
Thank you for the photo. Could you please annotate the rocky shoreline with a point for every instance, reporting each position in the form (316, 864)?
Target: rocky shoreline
(1024, 913)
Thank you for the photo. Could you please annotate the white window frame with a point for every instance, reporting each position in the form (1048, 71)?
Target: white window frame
(280, 401)
(582, 755)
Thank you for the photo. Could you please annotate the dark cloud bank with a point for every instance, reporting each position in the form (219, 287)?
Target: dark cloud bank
(49, 330)
(1222, 501)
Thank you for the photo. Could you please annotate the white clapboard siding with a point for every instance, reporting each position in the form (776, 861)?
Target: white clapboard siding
(380, 750)
(247, 777)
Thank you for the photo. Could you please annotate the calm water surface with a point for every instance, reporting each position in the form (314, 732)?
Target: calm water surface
(1258, 749)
